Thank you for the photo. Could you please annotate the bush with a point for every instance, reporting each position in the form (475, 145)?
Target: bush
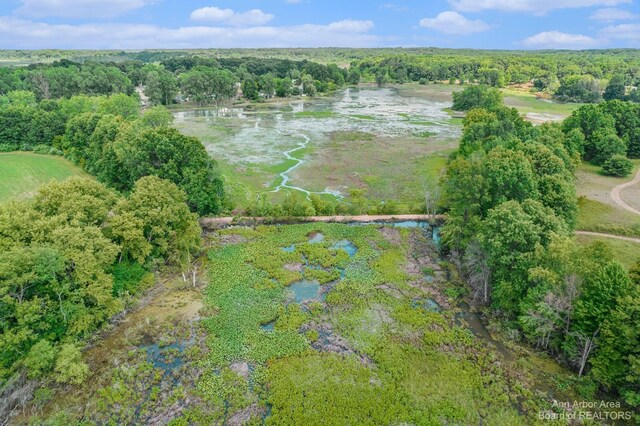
(7, 147)
(618, 165)
(69, 366)
(46, 150)
(130, 278)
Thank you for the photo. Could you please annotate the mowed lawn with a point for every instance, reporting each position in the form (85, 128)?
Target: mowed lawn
(22, 173)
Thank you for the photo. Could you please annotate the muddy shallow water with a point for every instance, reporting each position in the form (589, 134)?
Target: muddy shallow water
(286, 133)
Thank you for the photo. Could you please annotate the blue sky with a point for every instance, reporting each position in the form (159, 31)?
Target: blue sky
(491, 24)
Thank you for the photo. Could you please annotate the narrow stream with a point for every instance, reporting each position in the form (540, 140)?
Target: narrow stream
(299, 161)
(479, 330)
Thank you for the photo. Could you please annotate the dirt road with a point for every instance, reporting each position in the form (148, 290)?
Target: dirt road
(615, 194)
(219, 222)
(615, 237)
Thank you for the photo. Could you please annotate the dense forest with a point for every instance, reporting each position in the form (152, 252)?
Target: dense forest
(510, 196)
(208, 76)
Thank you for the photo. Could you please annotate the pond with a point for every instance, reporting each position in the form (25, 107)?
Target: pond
(347, 246)
(306, 290)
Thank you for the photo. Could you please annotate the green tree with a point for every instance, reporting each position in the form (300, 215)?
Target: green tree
(309, 86)
(250, 89)
(15, 125)
(99, 79)
(284, 87)
(122, 105)
(44, 128)
(616, 362)
(354, 76)
(600, 293)
(99, 158)
(63, 82)
(579, 88)
(161, 87)
(158, 207)
(508, 176)
(511, 234)
(203, 85)
(606, 145)
(40, 359)
(76, 140)
(477, 97)
(618, 165)
(491, 77)
(615, 89)
(168, 154)
(267, 85)
(157, 116)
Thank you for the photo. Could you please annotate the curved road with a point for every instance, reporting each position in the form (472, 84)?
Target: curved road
(615, 194)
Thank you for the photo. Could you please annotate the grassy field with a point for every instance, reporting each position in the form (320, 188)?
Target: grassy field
(626, 252)
(387, 168)
(22, 173)
(596, 209)
(537, 110)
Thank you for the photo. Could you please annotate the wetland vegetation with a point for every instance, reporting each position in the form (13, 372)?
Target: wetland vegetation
(117, 308)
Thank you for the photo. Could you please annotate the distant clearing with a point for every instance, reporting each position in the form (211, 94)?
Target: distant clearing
(22, 173)
(626, 252)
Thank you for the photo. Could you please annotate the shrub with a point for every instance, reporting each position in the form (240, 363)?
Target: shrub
(130, 278)
(46, 150)
(7, 147)
(40, 359)
(69, 366)
(618, 165)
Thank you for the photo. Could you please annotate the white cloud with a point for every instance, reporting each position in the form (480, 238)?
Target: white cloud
(611, 14)
(454, 23)
(395, 7)
(227, 16)
(560, 40)
(79, 8)
(212, 14)
(25, 34)
(627, 32)
(351, 26)
(537, 7)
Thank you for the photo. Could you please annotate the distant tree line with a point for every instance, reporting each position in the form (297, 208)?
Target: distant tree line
(510, 195)
(169, 76)
(568, 76)
(193, 78)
